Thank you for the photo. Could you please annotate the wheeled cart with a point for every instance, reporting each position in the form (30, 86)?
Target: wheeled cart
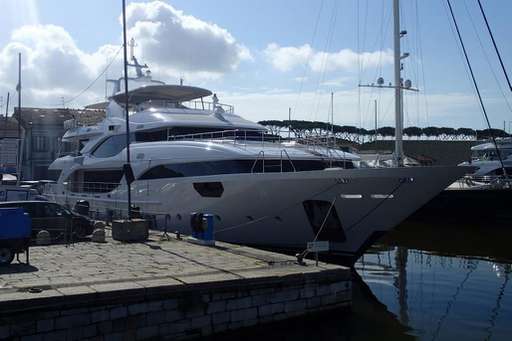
(15, 232)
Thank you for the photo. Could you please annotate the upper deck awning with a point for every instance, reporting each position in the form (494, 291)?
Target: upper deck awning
(171, 93)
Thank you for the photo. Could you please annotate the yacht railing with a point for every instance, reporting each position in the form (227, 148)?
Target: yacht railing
(323, 146)
(488, 181)
(87, 187)
(209, 106)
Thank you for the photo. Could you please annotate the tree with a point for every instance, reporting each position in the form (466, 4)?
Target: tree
(274, 126)
(386, 131)
(413, 131)
(466, 133)
(489, 133)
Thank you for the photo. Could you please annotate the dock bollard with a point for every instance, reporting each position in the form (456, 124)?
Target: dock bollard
(98, 235)
(43, 238)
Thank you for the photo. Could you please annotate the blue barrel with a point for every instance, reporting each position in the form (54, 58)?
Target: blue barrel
(14, 224)
(208, 220)
(202, 226)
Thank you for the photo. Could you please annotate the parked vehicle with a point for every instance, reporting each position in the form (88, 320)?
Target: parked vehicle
(18, 193)
(15, 230)
(54, 218)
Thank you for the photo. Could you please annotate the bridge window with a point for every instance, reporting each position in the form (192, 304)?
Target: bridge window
(111, 146)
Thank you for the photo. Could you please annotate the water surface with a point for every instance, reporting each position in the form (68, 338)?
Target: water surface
(419, 283)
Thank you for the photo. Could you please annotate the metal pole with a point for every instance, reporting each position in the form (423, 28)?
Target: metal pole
(127, 118)
(376, 120)
(332, 113)
(18, 170)
(7, 106)
(289, 122)
(398, 156)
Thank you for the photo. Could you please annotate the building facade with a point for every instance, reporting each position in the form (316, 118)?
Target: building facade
(43, 130)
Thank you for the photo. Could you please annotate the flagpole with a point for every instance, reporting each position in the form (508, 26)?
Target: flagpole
(18, 158)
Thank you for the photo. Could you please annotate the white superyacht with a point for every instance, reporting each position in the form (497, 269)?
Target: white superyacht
(189, 155)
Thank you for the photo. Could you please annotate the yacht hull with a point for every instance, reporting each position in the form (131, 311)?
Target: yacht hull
(280, 210)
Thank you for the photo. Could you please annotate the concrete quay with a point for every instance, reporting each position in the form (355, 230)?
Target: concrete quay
(159, 290)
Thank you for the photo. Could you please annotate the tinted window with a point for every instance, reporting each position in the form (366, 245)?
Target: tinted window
(50, 210)
(111, 146)
(95, 181)
(151, 136)
(177, 170)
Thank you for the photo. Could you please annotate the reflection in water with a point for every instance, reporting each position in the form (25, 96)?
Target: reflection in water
(420, 282)
(401, 282)
(449, 304)
(453, 289)
(497, 308)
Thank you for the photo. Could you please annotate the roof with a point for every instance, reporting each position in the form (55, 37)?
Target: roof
(8, 128)
(171, 93)
(56, 116)
(22, 202)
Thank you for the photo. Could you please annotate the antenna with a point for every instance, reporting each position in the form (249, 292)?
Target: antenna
(132, 48)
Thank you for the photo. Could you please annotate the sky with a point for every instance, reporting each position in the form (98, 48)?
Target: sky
(266, 56)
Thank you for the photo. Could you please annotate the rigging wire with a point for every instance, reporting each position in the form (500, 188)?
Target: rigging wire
(327, 47)
(487, 59)
(312, 43)
(94, 81)
(420, 54)
(457, 44)
(476, 88)
(358, 61)
(494, 43)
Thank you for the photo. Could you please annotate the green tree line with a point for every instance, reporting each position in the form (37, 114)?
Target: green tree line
(303, 129)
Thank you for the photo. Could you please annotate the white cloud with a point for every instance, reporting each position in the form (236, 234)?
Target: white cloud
(338, 82)
(289, 57)
(173, 44)
(52, 64)
(178, 42)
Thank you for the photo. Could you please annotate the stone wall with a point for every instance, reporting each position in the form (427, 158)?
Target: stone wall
(171, 312)
(446, 153)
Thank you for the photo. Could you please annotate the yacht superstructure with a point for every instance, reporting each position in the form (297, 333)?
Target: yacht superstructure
(489, 172)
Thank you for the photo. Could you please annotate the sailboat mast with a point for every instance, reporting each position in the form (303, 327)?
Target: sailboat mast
(398, 155)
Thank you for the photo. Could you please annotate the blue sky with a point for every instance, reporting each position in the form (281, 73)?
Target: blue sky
(264, 57)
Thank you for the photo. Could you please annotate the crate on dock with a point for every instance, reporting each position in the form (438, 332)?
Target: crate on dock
(134, 230)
